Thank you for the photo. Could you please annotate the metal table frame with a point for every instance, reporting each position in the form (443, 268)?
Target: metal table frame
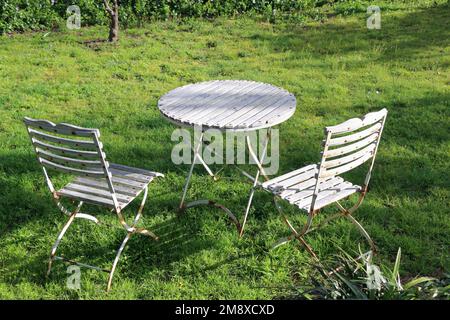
(237, 106)
(255, 179)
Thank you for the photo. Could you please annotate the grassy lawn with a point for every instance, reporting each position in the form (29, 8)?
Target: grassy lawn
(337, 70)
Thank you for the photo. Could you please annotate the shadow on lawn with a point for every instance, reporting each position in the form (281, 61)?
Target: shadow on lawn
(20, 207)
(400, 37)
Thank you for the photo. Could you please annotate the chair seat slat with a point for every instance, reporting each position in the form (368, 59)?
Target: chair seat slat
(102, 201)
(127, 182)
(301, 194)
(305, 203)
(130, 175)
(297, 179)
(310, 190)
(97, 192)
(135, 170)
(126, 190)
(102, 184)
(311, 169)
(329, 199)
(285, 192)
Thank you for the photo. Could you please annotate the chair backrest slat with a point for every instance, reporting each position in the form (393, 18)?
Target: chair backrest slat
(355, 136)
(70, 149)
(352, 147)
(346, 167)
(369, 149)
(357, 123)
(80, 172)
(95, 165)
(349, 145)
(61, 128)
(89, 145)
(65, 151)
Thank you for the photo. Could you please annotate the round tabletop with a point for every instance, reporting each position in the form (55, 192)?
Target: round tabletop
(228, 105)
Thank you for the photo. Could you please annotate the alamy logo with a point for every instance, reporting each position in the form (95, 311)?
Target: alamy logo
(74, 21)
(73, 280)
(374, 21)
(213, 146)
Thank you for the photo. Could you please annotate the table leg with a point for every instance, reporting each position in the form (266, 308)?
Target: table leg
(183, 206)
(188, 179)
(258, 173)
(200, 158)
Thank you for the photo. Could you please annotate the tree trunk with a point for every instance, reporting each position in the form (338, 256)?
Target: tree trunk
(114, 27)
(114, 16)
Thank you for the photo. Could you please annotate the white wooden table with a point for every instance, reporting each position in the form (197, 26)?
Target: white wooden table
(228, 105)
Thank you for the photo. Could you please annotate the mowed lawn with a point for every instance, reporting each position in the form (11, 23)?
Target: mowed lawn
(337, 70)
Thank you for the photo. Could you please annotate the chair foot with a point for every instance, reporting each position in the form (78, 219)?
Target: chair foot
(181, 209)
(206, 202)
(146, 232)
(49, 268)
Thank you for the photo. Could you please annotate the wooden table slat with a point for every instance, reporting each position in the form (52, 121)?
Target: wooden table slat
(228, 105)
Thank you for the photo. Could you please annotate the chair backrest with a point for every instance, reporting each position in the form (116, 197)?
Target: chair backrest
(70, 149)
(349, 145)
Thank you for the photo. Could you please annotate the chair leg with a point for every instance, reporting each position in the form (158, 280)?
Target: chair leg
(116, 260)
(247, 210)
(325, 222)
(307, 247)
(186, 186)
(295, 234)
(348, 213)
(281, 241)
(143, 231)
(60, 236)
(130, 231)
(363, 232)
(307, 228)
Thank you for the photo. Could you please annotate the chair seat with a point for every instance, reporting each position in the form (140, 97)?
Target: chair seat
(297, 187)
(128, 183)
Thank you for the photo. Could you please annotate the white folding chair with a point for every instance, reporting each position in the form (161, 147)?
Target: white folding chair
(78, 151)
(311, 188)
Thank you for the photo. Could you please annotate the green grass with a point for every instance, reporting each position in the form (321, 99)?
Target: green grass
(337, 70)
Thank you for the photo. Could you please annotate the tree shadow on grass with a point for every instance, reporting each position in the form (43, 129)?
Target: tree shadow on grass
(400, 37)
